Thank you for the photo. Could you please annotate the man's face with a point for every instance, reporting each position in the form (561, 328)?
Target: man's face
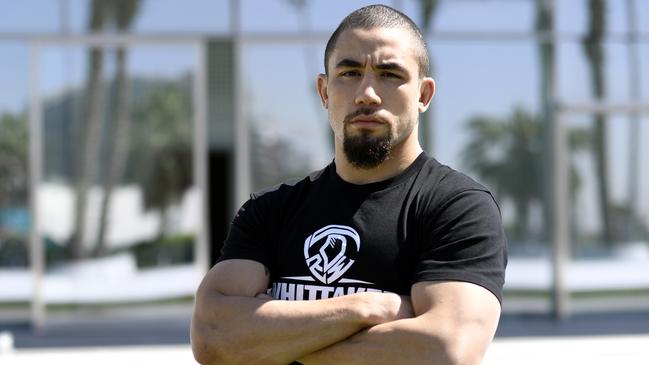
(373, 93)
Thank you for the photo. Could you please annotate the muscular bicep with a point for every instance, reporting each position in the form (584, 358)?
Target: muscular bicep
(467, 314)
(236, 277)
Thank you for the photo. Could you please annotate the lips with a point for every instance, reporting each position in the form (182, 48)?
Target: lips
(366, 122)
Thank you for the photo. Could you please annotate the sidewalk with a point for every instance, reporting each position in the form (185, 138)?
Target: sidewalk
(123, 355)
(627, 350)
(591, 350)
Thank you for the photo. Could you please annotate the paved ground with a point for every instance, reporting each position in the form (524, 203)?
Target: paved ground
(605, 350)
(144, 337)
(122, 355)
(590, 350)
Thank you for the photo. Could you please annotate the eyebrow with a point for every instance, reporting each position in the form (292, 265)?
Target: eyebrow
(391, 66)
(346, 62)
(387, 66)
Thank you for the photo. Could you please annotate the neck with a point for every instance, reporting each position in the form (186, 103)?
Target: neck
(400, 158)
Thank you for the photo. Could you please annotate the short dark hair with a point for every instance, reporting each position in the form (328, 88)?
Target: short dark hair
(381, 16)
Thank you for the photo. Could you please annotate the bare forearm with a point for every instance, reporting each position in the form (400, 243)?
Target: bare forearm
(401, 342)
(455, 324)
(408, 341)
(236, 329)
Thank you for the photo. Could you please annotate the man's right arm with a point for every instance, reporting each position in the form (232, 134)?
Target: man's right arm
(235, 323)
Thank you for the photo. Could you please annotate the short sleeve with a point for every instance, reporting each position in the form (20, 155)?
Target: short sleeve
(248, 237)
(463, 240)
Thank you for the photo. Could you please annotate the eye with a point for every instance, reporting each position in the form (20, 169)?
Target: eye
(349, 73)
(391, 75)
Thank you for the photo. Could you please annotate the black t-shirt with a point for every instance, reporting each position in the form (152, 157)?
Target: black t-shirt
(322, 237)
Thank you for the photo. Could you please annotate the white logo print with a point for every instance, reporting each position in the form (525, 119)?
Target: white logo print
(325, 252)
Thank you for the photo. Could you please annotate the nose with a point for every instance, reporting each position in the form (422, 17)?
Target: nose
(367, 93)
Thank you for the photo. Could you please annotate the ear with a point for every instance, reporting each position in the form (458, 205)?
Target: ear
(426, 93)
(321, 86)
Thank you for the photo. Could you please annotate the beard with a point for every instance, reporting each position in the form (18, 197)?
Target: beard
(365, 151)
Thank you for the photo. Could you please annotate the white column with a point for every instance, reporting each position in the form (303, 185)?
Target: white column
(200, 157)
(560, 193)
(36, 254)
(242, 148)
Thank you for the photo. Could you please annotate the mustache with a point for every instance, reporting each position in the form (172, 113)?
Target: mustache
(357, 113)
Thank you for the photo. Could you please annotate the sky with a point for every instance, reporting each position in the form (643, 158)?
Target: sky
(474, 77)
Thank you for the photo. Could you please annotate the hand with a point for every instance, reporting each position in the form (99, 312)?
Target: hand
(382, 308)
(385, 307)
(263, 296)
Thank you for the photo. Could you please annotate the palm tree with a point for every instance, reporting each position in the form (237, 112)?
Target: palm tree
(90, 131)
(163, 157)
(592, 44)
(508, 155)
(544, 25)
(13, 160)
(123, 12)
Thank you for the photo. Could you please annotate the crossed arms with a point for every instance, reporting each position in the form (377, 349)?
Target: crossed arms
(234, 322)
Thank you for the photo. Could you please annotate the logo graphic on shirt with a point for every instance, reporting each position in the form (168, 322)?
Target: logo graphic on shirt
(326, 250)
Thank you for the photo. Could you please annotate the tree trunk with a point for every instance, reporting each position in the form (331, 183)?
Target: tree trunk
(544, 26)
(163, 228)
(522, 218)
(595, 55)
(118, 145)
(90, 136)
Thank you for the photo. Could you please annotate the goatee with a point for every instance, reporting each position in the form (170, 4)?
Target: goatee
(365, 151)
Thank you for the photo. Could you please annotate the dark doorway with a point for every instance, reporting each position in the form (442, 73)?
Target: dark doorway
(220, 191)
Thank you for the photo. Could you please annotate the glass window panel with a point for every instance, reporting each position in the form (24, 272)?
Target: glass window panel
(616, 17)
(642, 202)
(296, 16)
(626, 205)
(573, 76)
(642, 16)
(15, 220)
(30, 16)
(208, 16)
(575, 72)
(467, 16)
(573, 16)
(14, 75)
(617, 72)
(502, 90)
(326, 17)
(582, 189)
(144, 165)
(78, 18)
(505, 76)
(636, 190)
(290, 132)
(272, 15)
(192, 16)
(643, 56)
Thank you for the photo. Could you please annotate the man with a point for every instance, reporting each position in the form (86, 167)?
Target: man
(383, 257)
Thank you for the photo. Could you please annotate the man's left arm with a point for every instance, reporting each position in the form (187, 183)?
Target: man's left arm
(454, 323)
